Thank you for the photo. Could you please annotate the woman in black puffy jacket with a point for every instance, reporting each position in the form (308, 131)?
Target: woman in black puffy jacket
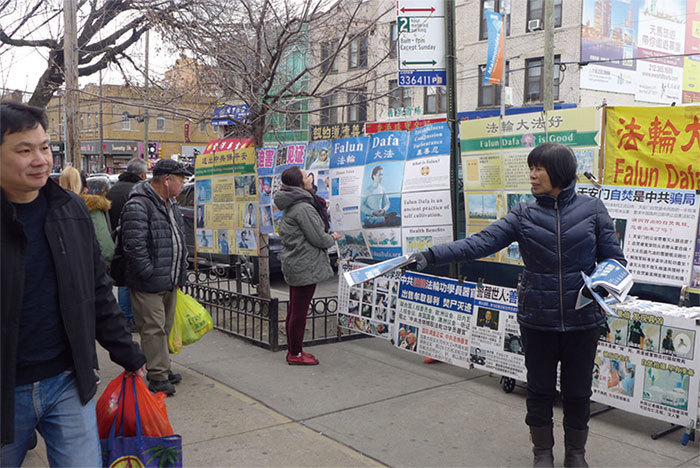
(560, 234)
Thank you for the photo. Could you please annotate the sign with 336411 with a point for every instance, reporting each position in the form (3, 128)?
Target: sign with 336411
(421, 42)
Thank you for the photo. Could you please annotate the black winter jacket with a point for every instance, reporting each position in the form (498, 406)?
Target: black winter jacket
(558, 238)
(147, 241)
(119, 195)
(86, 302)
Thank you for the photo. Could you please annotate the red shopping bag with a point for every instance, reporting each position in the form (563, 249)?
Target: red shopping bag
(154, 414)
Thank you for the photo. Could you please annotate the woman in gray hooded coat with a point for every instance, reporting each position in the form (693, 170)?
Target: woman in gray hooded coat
(306, 238)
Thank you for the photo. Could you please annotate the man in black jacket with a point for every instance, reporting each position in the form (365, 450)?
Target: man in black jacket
(119, 195)
(154, 247)
(56, 300)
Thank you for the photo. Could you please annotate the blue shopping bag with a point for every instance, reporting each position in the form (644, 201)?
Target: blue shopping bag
(139, 451)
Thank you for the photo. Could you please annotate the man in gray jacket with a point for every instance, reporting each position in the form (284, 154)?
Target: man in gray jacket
(154, 246)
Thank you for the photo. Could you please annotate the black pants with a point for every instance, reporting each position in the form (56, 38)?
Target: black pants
(576, 352)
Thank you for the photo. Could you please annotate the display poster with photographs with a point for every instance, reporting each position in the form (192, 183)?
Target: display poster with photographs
(496, 344)
(390, 192)
(434, 317)
(657, 230)
(226, 198)
(494, 161)
(368, 307)
(647, 361)
(288, 155)
(266, 166)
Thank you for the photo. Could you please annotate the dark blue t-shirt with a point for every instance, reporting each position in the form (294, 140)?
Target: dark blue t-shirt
(43, 350)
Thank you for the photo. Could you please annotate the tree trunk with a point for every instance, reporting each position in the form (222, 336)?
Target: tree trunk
(263, 239)
(49, 82)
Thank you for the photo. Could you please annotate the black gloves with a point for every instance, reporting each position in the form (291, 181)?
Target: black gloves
(601, 291)
(423, 259)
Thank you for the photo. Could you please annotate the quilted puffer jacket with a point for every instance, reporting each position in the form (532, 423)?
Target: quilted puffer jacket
(148, 242)
(558, 238)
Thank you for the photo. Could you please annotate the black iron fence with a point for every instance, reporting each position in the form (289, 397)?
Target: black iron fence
(258, 320)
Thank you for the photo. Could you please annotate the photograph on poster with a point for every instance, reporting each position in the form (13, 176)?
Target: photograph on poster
(355, 293)
(276, 216)
(203, 189)
(384, 238)
(318, 155)
(366, 310)
(276, 184)
(620, 228)
(354, 308)
(515, 198)
(677, 342)
(382, 283)
(245, 185)
(368, 296)
(380, 314)
(381, 195)
(611, 375)
(643, 335)
(408, 337)
(585, 161)
(476, 356)
(381, 299)
(666, 387)
(482, 206)
(265, 216)
(513, 251)
(265, 189)
(223, 241)
(246, 239)
(200, 216)
(205, 238)
(487, 318)
(322, 182)
(614, 330)
(380, 329)
(250, 216)
(513, 344)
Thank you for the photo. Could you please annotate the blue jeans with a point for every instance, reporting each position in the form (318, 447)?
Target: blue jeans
(125, 302)
(69, 429)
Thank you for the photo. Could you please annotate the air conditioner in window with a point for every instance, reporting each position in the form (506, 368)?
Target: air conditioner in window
(534, 25)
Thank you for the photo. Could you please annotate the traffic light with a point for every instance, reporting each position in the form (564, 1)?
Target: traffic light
(160, 152)
(152, 151)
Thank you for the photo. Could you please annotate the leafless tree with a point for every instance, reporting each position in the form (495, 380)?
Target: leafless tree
(106, 30)
(278, 56)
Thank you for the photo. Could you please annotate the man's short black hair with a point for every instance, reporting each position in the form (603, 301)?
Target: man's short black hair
(17, 117)
(558, 160)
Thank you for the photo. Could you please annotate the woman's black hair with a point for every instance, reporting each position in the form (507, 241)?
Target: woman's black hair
(293, 177)
(558, 160)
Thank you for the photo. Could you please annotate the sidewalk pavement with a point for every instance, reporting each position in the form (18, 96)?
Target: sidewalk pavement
(369, 404)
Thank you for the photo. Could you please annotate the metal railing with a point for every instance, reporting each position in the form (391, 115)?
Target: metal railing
(258, 320)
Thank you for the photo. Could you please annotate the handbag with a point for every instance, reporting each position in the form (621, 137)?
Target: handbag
(149, 452)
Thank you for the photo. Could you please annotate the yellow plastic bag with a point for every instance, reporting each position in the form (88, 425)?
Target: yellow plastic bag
(192, 321)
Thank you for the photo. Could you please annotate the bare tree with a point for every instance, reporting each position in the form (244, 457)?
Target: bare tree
(106, 30)
(279, 56)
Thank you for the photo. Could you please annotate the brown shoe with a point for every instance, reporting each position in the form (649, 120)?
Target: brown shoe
(304, 359)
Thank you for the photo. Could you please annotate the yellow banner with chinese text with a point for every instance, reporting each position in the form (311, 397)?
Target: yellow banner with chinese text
(656, 147)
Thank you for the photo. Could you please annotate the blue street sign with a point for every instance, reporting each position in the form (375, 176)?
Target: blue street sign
(422, 78)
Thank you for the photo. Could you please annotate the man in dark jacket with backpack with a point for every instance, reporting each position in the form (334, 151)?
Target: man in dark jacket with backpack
(56, 300)
(153, 242)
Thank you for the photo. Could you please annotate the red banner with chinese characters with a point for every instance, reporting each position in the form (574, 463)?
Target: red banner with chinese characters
(656, 147)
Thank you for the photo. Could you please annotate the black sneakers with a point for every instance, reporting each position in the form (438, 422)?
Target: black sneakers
(164, 386)
(174, 378)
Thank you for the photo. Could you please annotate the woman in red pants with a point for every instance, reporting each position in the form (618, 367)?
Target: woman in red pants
(305, 236)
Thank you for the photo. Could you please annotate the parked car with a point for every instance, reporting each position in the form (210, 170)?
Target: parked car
(186, 202)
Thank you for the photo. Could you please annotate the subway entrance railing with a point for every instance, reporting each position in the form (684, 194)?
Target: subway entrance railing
(258, 320)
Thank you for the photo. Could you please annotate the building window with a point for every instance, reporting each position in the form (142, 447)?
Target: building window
(203, 126)
(493, 5)
(399, 96)
(357, 105)
(434, 100)
(535, 11)
(490, 94)
(329, 113)
(357, 53)
(393, 40)
(126, 122)
(328, 63)
(534, 79)
(160, 122)
(292, 117)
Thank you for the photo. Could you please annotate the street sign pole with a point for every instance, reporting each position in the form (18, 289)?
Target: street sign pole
(452, 121)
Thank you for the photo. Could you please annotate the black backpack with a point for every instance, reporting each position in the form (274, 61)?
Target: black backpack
(117, 269)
